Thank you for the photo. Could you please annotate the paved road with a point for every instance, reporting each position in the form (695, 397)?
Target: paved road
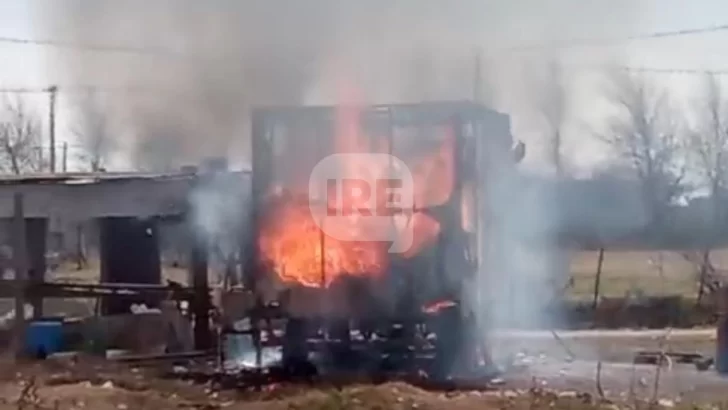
(610, 333)
(619, 379)
(616, 349)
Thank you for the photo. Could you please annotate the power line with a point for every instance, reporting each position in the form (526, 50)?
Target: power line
(93, 47)
(689, 71)
(43, 90)
(88, 89)
(616, 40)
(649, 70)
(142, 89)
(533, 47)
(24, 90)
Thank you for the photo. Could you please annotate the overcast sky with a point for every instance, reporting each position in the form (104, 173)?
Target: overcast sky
(23, 65)
(20, 63)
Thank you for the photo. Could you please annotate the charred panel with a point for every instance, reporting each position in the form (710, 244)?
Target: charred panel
(443, 144)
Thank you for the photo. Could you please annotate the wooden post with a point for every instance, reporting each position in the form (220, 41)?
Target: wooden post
(20, 265)
(52, 93)
(201, 306)
(36, 232)
(704, 263)
(598, 279)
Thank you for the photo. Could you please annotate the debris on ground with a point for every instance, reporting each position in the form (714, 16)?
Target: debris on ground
(86, 384)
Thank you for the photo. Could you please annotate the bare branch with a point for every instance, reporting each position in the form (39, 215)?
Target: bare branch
(598, 381)
(658, 366)
(20, 138)
(708, 145)
(93, 132)
(708, 152)
(551, 98)
(645, 137)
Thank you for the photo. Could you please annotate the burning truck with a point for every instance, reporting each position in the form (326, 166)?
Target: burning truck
(333, 276)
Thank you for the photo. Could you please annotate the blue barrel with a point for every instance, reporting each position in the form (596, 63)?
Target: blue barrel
(44, 337)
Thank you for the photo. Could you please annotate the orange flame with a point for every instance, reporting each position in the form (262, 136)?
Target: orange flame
(436, 307)
(300, 252)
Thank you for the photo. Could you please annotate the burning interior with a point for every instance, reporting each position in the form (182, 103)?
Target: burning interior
(337, 267)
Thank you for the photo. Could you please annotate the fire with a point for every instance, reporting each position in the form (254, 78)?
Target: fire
(299, 250)
(436, 307)
(292, 241)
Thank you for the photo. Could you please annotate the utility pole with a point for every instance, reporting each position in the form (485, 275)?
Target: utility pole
(52, 92)
(477, 80)
(64, 157)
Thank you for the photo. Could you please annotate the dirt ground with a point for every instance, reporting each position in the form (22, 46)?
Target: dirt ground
(573, 359)
(606, 345)
(102, 387)
(541, 376)
(543, 372)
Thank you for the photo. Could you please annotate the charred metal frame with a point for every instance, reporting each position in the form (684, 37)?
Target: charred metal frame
(481, 138)
(472, 149)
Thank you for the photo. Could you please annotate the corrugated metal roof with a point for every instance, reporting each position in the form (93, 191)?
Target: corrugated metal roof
(81, 178)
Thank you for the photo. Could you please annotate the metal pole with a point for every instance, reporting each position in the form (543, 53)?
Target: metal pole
(322, 245)
(52, 92)
(598, 279)
(64, 157)
(477, 80)
(322, 239)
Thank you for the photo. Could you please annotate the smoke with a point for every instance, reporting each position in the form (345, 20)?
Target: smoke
(216, 59)
(209, 62)
(219, 210)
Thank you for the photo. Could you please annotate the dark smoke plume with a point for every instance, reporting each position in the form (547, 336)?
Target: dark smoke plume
(210, 61)
(218, 58)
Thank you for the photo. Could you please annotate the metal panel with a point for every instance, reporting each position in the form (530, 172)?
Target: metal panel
(106, 198)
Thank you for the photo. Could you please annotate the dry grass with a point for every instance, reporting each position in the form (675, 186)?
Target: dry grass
(654, 273)
(628, 270)
(99, 385)
(90, 273)
(622, 271)
(394, 396)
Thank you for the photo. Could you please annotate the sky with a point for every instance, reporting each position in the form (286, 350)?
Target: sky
(24, 65)
(20, 63)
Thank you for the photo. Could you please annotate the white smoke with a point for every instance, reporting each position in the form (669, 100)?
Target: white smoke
(240, 54)
(209, 62)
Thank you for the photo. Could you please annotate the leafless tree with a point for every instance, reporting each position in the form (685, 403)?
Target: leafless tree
(645, 136)
(708, 146)
(708, 149)
(20, 138)
(93, 132)
(551, 99)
